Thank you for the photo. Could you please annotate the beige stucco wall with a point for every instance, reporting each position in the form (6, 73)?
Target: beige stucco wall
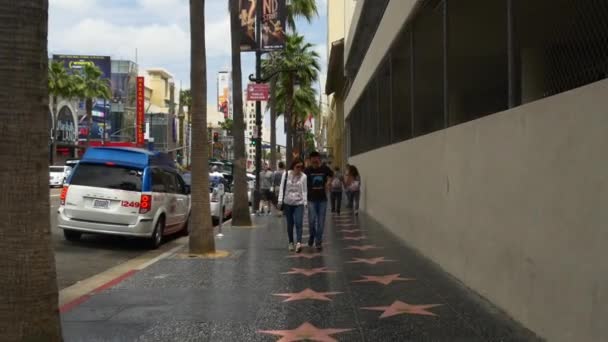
(514, 205)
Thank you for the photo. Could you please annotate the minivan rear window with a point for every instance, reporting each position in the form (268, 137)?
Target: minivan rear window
(56, 169)
(106, 176)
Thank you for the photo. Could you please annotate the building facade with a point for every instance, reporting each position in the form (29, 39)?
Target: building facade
(478, 127)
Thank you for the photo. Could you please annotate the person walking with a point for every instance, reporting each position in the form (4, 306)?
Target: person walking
(318, 180)
(292, 200)
(265, 185)
(277, 177)
(353, 184)
(348, 193)
(337, 185)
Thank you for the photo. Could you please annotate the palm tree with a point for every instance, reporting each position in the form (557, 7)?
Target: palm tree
(91, 86)
(28, 288)
(306, 9)
(299, 57)
(201, 235)
(240, 212)
(61, 85)
(186, 101)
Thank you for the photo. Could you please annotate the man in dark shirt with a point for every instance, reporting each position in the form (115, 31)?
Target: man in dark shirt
(318, 177)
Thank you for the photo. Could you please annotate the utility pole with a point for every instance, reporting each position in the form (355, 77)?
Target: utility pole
(258, 104)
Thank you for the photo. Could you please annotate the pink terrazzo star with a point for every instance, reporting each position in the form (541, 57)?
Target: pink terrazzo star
(363, 248)
(304, 255)
(309, 271)
(307, 294)
(385, 280)
(354, 238)
(399, 308)
(305, 332)
(370, 261)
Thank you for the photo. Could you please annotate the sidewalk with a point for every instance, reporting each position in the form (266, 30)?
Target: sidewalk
(365, 286)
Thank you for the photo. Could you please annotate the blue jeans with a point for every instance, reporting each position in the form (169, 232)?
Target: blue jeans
(316, 221)
(295, 216)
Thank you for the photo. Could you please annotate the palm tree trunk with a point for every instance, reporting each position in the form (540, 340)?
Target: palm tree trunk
(55, 131)
(273, 127)
(240, 213)
(28, 288)
(89, 109)
(201, 235)
(288, 119)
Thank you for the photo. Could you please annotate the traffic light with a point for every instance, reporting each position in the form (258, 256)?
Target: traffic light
(253, 142)
(216, 137)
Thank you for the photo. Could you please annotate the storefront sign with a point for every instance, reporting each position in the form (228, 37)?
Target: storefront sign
(258, 92)
(140, 112)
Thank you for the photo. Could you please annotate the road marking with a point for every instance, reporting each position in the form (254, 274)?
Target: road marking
(80, 292)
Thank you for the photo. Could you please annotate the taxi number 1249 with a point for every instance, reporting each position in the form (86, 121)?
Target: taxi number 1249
(129, 204)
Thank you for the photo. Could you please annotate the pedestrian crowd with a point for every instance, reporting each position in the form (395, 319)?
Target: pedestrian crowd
(304, 187)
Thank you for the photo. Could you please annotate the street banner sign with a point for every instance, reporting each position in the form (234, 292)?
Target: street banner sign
(75, 63)
(274, 17)
(247, 9)
(258, 92)
(140, 112)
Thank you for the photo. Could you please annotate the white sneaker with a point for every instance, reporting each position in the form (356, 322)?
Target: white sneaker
(298, 247)
(291, 247)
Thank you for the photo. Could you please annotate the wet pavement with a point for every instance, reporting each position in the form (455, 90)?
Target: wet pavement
(365, 285)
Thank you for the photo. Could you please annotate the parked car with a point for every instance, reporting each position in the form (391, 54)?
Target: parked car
(228, 200)
(127, 192)
(58, 175)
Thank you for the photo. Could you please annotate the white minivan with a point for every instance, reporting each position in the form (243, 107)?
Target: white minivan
(127, 192)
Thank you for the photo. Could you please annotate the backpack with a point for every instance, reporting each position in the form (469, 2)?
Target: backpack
(336, 183)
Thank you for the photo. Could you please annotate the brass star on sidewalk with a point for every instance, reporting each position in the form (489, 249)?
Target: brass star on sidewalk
(304, 255)
(399, 308)
(370, 261)
(363, 248)
(305, 332)
(309, 271)
(307, 294)
(350, 230)
(385, 280)
(354, 238)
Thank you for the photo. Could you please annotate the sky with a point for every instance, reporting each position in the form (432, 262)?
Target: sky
(159, 31)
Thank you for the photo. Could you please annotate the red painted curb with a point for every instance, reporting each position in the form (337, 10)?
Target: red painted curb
(74, 303)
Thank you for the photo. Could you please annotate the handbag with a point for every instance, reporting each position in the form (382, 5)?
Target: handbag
(281, 205)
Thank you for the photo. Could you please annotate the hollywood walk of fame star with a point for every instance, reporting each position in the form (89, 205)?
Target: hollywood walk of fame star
(309, 271)
(355, 238)
(304, 255)
(370, 261)
(385, 280)
(399, 308)
(364, 247)
(305, 332)
(307, 294)
(350, 231)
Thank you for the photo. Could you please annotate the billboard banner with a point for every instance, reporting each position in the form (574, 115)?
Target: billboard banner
(247, 10)
(274, 16)
(75, 63)
(223, 93)
(140, 112)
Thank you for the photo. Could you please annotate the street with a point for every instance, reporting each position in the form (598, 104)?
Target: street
(76, 261)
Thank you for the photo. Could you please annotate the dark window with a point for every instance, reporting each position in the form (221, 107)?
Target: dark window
(428, 71)
(181, 185)
(105, 176)
(170, 182)
(384, 103)
(401, 88)
(158, 182)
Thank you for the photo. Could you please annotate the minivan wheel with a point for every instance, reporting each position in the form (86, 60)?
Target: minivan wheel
(71, 235)
(157, 236)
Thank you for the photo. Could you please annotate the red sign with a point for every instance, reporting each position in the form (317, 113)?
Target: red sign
(258, 92)
(139, 123)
